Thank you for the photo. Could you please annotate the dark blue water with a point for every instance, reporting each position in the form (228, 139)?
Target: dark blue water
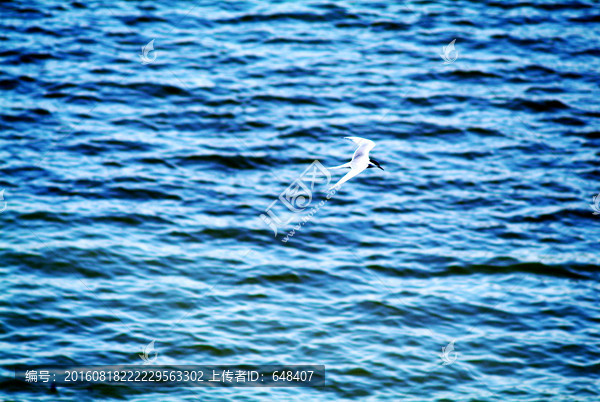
(133, 194)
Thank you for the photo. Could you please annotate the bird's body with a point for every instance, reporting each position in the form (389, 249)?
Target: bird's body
(360, 160)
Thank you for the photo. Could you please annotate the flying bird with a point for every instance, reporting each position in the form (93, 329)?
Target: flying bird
(360, 161)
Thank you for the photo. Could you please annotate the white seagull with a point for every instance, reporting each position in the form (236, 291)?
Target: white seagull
(360, 161)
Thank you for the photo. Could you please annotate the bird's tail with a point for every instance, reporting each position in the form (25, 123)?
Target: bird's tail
(345, 165)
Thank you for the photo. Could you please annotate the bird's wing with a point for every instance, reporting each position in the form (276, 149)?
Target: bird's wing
(353, 172)
(364, 147)
(345, 165)
(362, 142)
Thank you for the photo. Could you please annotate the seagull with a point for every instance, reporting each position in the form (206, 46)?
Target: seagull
(360, 161)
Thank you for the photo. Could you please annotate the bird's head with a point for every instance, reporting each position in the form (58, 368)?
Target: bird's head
(374, 163)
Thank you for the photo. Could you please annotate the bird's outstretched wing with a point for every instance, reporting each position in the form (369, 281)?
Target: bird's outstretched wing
(361, 155)
(345, 165)
(360, 160)
(353, 172)
(361, 141)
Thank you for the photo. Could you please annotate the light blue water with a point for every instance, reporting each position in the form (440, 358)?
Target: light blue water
(133, 193)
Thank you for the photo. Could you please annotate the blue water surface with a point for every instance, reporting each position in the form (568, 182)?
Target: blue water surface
(134, 180)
